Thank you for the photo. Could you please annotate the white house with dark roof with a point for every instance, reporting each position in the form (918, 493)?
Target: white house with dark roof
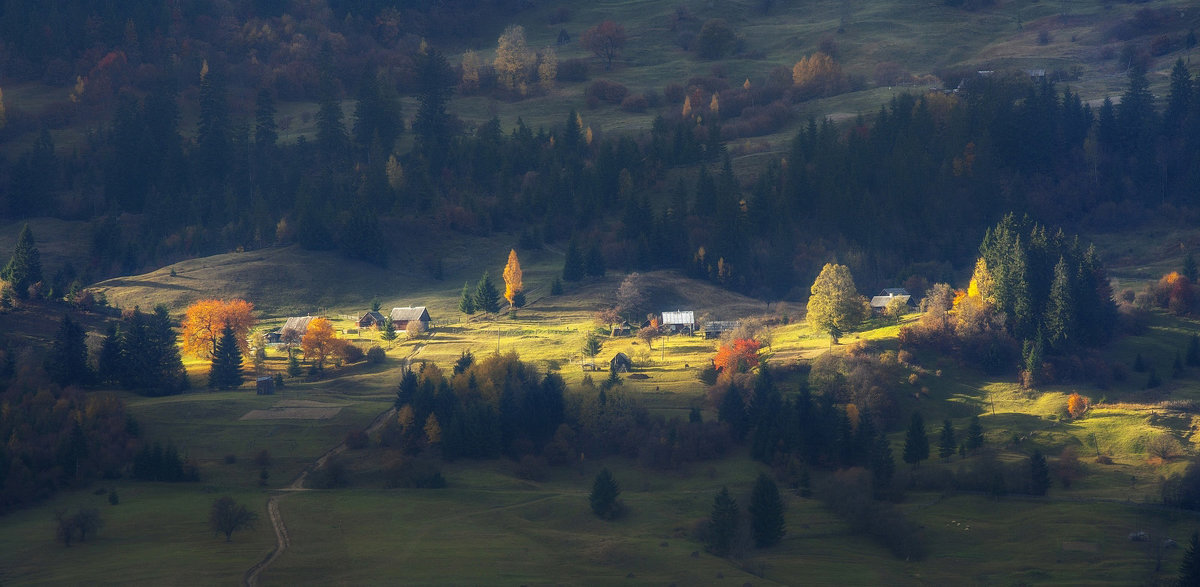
(679, 321)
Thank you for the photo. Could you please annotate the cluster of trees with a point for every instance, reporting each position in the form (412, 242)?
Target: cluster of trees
(729, 531)
(140, 353)
(155, 463)
(1033, 296)
(57, 437)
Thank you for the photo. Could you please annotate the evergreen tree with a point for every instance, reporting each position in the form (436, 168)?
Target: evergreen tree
(1060, 320)
(722, 523)
(974, 434)
(595, 262)
(24, 268)
(67, 362)
(946, 442)
(1192, 358)
(556, 287)
(466, 303)
(1189, 568)
(1189, 268)
(293, 366)
(108, 364)
(226, 371)
(389, 330)
(603, 497)
(916, 443)
(883, 465)
(573, 266)
(766, 512)
(1039, 474)
(266, 132)
(732, 412)
(487, 297)
(432, 125)
(331, 128)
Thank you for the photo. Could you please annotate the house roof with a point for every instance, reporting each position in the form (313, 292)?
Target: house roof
(882, 301)
(376, 316)
(894, 291)
(297, 324)
(721, 325)
(620, 358)
(687, 317)
(409, 314)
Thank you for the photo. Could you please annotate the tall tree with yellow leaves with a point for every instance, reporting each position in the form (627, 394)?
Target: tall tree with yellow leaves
(513, 59)
(205, 320)
(319, 342)
(513, 288)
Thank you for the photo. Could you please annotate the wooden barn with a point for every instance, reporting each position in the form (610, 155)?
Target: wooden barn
(265, 385)
(371, 319)
(622, 329)
(716, 328)
(402, 316)
(679, 322)
(620, 363)
(294, 329)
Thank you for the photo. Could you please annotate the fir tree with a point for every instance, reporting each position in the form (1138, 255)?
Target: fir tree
(226, 369)
(573, 268)
(883, 465)
(722, 523)
(1039, 474)
(487, 297)
(466, 303)
(974, 434)
(946, 442)
(389, 330)
(108, 364)
(603, 498)
(24, 268)
(916, 443)
(1189, 268)
(1060, 319)
(556, 287)
(1192, 358)
(766, 512)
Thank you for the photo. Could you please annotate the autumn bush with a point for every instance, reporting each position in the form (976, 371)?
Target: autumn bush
(635, 103)
(1077, 405)
(737, 356)
(607, 91)
(818, 75)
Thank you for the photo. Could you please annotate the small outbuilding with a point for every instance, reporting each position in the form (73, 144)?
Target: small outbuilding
(274, 336)
(371, 319)
(716, 328)
(622, 329)
(265, 385)
(402, 316)
(620, 363)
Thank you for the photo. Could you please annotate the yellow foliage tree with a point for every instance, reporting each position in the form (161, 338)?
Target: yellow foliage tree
(714, 105)
(470, 70)
(687, 106)
(205, 320)
(982, 285)
(548, 69)
(818, 73)
(319, 341)
(433, 430)
(513, 58)
(512, 277)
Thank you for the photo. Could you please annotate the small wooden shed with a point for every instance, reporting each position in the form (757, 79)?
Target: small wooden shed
(371, 319)
(265, 385)
(620, 363)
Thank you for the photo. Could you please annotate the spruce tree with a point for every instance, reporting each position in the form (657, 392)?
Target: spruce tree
(1039, 474)
(974, 434)
(722, 523)
(595, 262)
(573, 265)
(883, 465)
(1189, 268)
(24, 268)
(766, 512)
(1189, 569)
(556, 287)
(1059, 319)
(226, 369)
(946, 442)
(466, 303)
(487, 297)
(389, 330)
(1192, 358)
(109, 363)
(603, 498)
(67, 363)
(916, 443)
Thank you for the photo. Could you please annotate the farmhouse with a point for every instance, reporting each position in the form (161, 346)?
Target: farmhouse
(274, 336)
(879, 303)
(371, 319)
(679, 321)
(620, 363)
(294, 329)
(716, 328)
(402, 316)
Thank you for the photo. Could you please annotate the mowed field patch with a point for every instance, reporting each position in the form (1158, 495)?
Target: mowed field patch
(295, 410)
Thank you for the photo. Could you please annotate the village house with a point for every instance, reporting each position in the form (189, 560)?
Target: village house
(716, 328)
(620, 363)
(679, 322)
(371, 319)
(880, 302)
(402, 316)
(294, 329)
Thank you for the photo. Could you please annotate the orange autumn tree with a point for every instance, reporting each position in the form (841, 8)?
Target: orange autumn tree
(512, 279)
(204, 321)
(1076, 405)
(737, 356)
(319, 342)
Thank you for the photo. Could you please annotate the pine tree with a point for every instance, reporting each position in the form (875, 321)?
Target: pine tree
(466, 303)
(1192, 359)
(916, 443)
(389, 330)
(1039, 474)
(974, 434)
(573, 265)
(556, 287)
(722, 523)
(226, 371)
(1189, 569)
(24, 268)
(766, 512)
(883, 465)
(487, 297)
(1189, 268)
(595, 262)
(946, 442)
(603, 498)
(67, 362)
(1060, 319)
(109, 364)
